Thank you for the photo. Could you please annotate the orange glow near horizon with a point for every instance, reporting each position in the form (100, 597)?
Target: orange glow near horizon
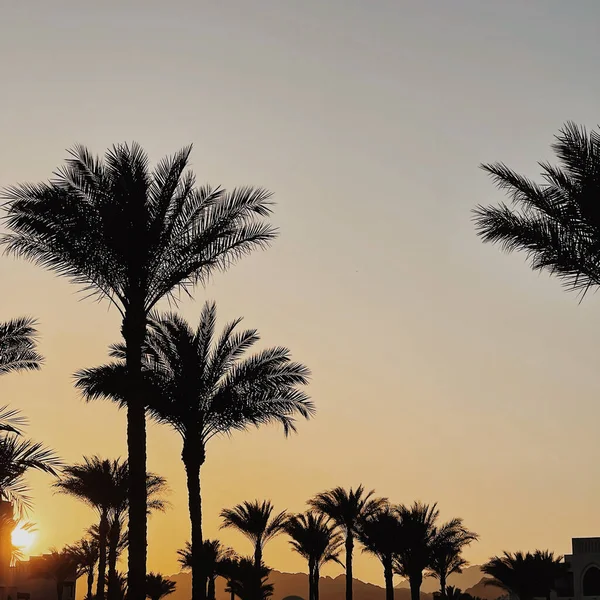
(23, 538)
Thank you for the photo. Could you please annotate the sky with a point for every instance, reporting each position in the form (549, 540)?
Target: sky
(443, 370)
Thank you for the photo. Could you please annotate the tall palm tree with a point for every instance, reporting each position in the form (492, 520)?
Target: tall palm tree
(214, 557)
(557, 222)
(158, 587)
(525, 575)
(18, 346)
(315, 539)
(18, 456)
(380, 535)
(59, 565)
(202, 387)
(257, 522)
(133, 236)
(421, 537)
(249, 583)
(85, 553)
(347, 509)
(445, 557)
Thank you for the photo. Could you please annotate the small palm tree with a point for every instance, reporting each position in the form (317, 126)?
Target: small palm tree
(446, 555)
(133, 236)
(158, 587)
(556, 223)
(202, 387)
(257, 522)
(17, 457)
(314, 538)
(247, 582)
(85, 553)
(525, 575)
(18, 346)
(347, 509)
(214, 557)
(380, 535)
(59, 565)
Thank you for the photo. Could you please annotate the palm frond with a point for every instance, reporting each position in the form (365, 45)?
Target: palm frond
(18, 351)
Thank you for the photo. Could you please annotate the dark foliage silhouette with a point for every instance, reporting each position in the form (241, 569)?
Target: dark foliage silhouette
(314, 537)
(257, 522)
(347, 509)
(420, 538)
(60, 566)
(525, 575)
(556, 223)
(215, 561)
(203, 387)
(247, 582)
(133, 236)
(380, 534)
(85, 553)
(158, 587)
(18, 346)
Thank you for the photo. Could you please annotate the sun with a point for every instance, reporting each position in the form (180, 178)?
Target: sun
(23, 538)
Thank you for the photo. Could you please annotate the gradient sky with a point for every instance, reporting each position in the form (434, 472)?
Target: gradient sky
(443, 370)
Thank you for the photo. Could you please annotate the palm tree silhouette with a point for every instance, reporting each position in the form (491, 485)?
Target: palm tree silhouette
(380, 534)
(347, 509)
(525, 575)
(420, 536)
(158, 587)
(257, 522)
(17, 457)
(202, 387)
(85, 553)
(215, 561)
(247, 582)
(446, 555)
(315, 539)
(59, 565)
(18, 346)
(556, 223)
(133, 236)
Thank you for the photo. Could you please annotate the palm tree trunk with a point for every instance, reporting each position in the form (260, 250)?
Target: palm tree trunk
(134, 331)
(113, 545)
(258, 554)
(349, 551)
(211, 589)
(388, 574)
(59, 590)
(102, 535)
(317, 577)
(415, 586)
(193, 462)
(311, 579)
(90, 583)
(442, 585)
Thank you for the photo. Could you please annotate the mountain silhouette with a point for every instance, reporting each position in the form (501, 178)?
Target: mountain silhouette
(333, 588)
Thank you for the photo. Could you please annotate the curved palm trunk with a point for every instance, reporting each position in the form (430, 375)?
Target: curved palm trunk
(102, 535)
(349, 551)
(114, 587)
(90, 583)
(211, 588)
(388, 574)
(59, 589)
(134, 331)
(415, 586)
(193, 462)
(443, 585)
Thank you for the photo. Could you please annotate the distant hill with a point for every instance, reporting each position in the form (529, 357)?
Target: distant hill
(332, 588)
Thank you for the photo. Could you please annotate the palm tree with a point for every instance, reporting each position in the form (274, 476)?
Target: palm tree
(214, 557)
(347, 509)
(17, 457)
(247, 582)
(446, 551)
(203, 388)
(133, 236)
(59, 566)
(257, 522)
(525, 575)
(18, 346)
(555, 223)
(315, 539)
(86, 553)
(158, 587)
(380, 535)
